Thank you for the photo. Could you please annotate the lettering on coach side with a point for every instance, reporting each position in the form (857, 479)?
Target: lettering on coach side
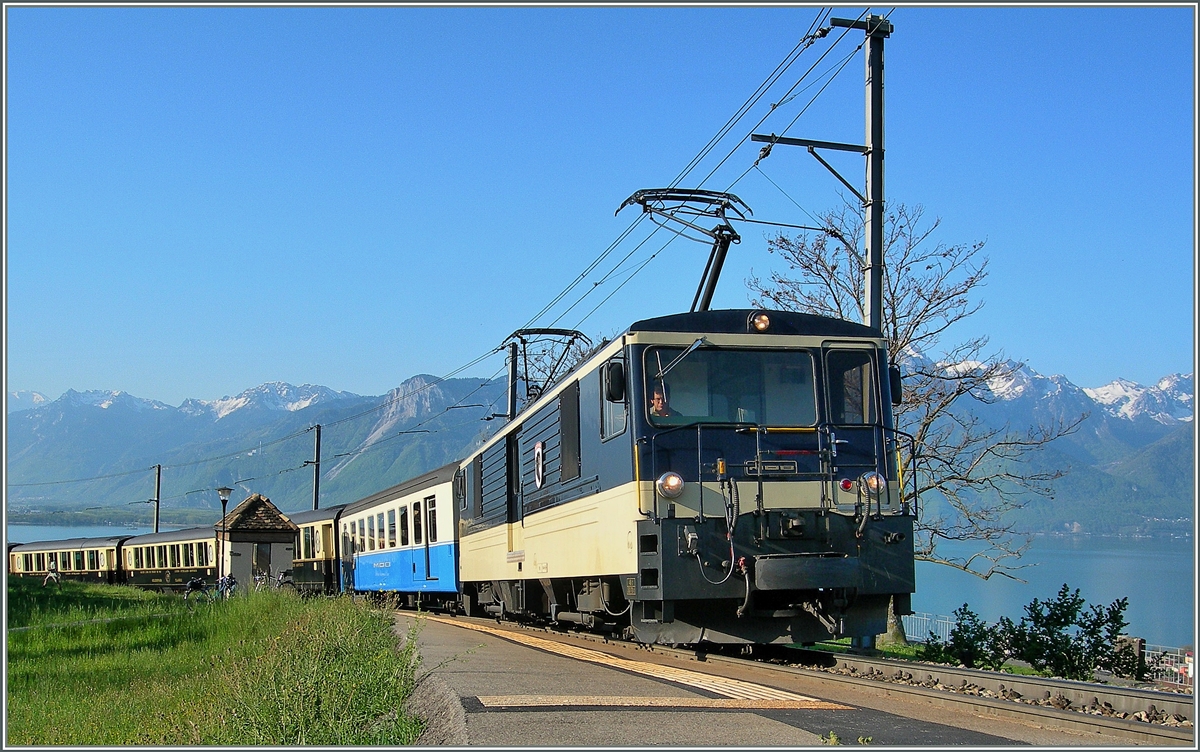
(381, 564)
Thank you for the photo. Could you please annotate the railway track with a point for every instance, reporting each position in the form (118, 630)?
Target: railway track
(1137, 714)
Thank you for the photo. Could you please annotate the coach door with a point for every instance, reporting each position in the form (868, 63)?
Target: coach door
(432, 570)
(420, 549)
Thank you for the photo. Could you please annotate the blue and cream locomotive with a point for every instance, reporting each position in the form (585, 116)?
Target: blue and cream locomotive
(761, 504)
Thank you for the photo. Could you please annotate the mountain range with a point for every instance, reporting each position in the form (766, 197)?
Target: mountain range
(1129, 467)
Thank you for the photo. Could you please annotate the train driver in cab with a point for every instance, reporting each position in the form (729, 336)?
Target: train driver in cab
(660, 402)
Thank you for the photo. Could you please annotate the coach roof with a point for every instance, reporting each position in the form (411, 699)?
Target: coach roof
(315, 515)
(442, 475)
(68, 544)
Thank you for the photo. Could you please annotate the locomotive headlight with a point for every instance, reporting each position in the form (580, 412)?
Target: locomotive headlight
(760, 321)
(670, 485)
(872, 483)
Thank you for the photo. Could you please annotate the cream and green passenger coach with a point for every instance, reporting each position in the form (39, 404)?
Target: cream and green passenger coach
(764, 505)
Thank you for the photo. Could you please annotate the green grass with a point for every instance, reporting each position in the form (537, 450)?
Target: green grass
(267, 669)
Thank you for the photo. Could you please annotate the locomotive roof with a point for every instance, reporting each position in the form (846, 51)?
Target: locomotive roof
(189, 533)
(735, 321)
(68, 544)
(316, 515)
(432, 478)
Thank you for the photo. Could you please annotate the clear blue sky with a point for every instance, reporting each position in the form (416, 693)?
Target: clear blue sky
(203, 199)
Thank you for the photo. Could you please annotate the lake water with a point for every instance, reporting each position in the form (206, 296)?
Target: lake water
(1157, 575)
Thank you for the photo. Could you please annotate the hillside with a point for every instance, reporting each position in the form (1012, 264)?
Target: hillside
(1128, 469)
(258, 442)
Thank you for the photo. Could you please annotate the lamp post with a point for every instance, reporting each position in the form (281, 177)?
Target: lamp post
(223, 492)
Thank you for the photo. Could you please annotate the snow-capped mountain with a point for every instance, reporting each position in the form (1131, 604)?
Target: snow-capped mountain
(106, 400)
(252, 442)
(1168, 402)
(274, 395)
(23, 400)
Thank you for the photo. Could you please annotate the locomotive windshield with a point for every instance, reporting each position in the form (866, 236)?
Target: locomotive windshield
(764, 387)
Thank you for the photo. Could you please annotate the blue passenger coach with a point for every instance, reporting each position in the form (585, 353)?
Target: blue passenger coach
(403, 540)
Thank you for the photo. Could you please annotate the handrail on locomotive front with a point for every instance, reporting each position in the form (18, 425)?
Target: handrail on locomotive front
(879, 435)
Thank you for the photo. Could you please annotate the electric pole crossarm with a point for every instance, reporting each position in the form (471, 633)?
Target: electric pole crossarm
(875, 26)
(789, 141)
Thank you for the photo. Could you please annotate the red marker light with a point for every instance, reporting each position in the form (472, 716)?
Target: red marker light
(847, 484)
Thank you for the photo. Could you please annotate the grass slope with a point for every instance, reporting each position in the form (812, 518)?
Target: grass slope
(102, 665)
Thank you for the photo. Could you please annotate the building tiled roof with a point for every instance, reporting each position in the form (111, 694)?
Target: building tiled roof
(257, 513)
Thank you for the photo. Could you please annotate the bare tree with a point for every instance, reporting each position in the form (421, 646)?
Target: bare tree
(974, 470)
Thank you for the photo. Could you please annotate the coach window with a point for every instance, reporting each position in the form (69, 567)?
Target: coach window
(362, 535)
(174, 555)
(431, 516)
(416, 507)
(403, 526)
(379, 528)
(371, 533)
(391, 513)
(27, 562)
(160, 556)
(93, 561)
(78, 561)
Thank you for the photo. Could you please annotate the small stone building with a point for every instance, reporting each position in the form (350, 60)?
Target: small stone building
(256, 538)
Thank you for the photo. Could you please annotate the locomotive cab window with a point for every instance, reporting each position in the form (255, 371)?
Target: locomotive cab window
(613, 414)
(852, 390)
(710, 385)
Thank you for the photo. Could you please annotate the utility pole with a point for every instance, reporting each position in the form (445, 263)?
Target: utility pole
(877, 29)
(316, 463)
(157, 493)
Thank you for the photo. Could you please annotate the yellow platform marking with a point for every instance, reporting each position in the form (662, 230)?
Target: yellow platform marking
(718, 685)
(610, 701)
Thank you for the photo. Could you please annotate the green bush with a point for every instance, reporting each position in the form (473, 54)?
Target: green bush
(1063, 638)
(1059, 637)
(972, 642)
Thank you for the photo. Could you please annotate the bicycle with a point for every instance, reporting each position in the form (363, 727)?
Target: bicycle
(226, 586)
(198, 587)
(280, 581)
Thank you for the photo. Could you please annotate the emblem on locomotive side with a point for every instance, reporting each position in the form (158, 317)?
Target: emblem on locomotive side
(539, 464)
